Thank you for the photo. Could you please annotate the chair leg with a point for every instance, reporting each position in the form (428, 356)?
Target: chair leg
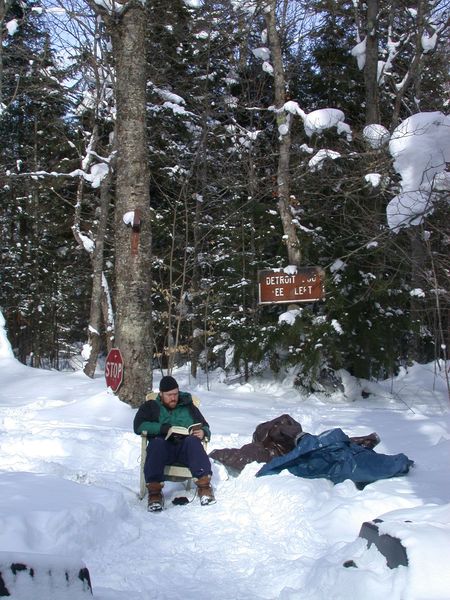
(142, 483)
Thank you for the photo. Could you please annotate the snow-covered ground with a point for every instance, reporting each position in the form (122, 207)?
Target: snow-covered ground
(69, 479)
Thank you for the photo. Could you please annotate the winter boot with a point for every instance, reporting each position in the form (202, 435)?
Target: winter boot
(155, 496)
(205, 492)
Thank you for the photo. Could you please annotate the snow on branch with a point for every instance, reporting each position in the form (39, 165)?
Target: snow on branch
(420, 147)
(111, 6)
(315, 122)
(261, 53)
(267, 67)
(95, 177)
(168, 96)
(12, 26)
(359, 52)
(429, 42)
(87, 243)
(376, 135)
(248, 7)
(316, 162)
(318, 121)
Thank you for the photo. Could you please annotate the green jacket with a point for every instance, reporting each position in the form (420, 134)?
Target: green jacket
(152, 414)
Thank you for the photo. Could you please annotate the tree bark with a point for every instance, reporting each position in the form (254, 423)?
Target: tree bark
(4, 7)
(417, 280)
(98, 316)
(2, 19)
(284, 150)
(197, 322)
(133, 305)
(371, 65)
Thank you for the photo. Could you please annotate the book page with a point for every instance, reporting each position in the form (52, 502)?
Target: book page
(195, 427)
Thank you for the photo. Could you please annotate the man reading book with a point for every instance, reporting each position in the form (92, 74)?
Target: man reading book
(173, 409)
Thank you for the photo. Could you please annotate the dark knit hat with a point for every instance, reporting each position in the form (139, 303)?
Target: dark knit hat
(167, 384)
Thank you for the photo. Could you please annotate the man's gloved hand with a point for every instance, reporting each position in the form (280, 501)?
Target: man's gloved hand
(163, 430)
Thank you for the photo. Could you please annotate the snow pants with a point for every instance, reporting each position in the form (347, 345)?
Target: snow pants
(189, 451)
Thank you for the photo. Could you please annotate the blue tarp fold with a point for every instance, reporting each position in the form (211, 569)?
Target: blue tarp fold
(332, 455)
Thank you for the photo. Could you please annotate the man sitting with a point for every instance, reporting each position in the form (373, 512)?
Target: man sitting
(173, 408)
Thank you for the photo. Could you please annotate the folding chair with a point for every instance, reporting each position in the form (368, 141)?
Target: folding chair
(176, 472)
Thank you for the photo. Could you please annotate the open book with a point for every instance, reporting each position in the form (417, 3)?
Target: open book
(176, 430)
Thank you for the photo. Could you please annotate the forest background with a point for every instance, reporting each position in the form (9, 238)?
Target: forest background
(157, 155)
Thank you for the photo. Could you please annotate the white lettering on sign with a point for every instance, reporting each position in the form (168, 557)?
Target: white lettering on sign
(279, 279)
(302, 289)
(279, 292)
(113, 370)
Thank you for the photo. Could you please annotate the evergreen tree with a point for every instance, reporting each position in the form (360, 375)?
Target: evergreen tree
(43, 318)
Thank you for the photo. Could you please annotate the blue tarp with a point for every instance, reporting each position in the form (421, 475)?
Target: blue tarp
(332, 455)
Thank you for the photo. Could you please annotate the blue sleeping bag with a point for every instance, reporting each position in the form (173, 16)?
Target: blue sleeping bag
(332, 455)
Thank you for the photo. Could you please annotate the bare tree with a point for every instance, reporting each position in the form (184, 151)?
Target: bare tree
(3, 9)
(101, 313)
(284, 122)
(371, 64)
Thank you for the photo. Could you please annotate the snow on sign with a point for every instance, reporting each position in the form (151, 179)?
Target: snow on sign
(306, 285)
(114, 369)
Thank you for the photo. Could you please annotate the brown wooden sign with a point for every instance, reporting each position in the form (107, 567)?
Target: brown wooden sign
(304, 286)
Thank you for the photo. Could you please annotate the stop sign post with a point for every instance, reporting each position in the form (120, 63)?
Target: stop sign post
(114, 369)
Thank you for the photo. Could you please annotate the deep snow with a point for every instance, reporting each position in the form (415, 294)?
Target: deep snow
(69, 479)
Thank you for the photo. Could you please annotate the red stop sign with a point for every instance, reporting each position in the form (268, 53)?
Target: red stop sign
(114, 369)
